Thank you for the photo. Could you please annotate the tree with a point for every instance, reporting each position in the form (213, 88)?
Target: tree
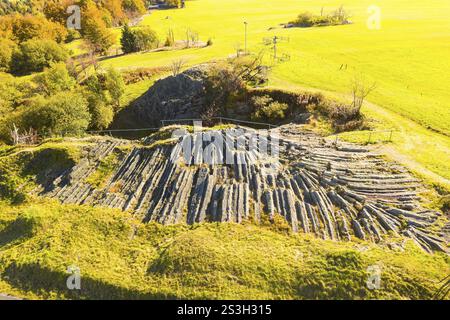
(22, 28)
(101, 113)
(95, 29)
(115, 86)
(360, 91)
(138, 39)
(145, 38)
(170, 39)
(7, 48)
(55, 79)
(9, 94)
(35, 55)
(115, 7)
(128, 40)
(56, 10)
(134, 7)
(103, 91)
(63, 113)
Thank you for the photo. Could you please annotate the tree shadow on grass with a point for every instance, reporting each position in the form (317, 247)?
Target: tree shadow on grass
(15, 230)
(42, 280)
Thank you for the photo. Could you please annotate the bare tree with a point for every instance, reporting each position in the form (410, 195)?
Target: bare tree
(170, 40)
(341, 15)
(194, 37)
(29, 138)
(360, 91)
(176, 66)
(191, 38)
(251, 69)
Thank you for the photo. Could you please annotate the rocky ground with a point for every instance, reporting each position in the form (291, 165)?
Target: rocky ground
(174, 97)
(334, 191)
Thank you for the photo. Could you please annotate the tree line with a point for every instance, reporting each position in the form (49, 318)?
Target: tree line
(41, 33)
(55, 99)
(55, 103)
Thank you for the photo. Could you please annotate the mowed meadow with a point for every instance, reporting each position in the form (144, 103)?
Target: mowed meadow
(408, 59)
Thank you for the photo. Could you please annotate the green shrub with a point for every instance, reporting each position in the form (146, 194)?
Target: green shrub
(7, 48)
(268, 110)
(104, 171)
(55, 79)
(63, 113)
(145, 38)
(304, 20)
(35, 55)
(138, 39)
(307, 19)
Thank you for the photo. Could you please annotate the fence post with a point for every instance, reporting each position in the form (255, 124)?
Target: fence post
(390, 136)
(370, 136)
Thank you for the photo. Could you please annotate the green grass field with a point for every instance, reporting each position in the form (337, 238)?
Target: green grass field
(407, 58)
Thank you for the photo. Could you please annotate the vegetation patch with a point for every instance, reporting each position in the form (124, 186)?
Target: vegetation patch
(141, 74)
(306, 19)
(21, 168)
(121, 258)
(268, 110)
(105, 169)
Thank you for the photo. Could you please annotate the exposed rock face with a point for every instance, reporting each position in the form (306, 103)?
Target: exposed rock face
(177, 97)
(334, 192)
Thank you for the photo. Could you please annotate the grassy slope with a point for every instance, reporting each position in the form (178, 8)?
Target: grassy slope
(121, 258)
(408, 58)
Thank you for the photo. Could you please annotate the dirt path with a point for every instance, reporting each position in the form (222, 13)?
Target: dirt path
(411, 164)
(422, 151)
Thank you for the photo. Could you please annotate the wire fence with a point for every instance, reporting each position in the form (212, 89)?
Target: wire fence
(218, 120)
(142, 132)
(372, 136)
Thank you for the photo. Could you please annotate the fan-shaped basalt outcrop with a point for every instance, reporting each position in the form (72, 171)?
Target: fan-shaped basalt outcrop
(333, 191)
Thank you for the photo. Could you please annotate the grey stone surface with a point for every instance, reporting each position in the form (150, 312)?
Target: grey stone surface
(334, 193)
(182, 96)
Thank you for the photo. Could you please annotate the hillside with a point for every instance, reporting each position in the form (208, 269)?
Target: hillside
(407, 58)
(238, 149)
(127, 254)
(336, 192)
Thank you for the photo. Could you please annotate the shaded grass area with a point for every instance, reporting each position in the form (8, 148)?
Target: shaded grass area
(105, 169)
(119, 257)
(21, 167)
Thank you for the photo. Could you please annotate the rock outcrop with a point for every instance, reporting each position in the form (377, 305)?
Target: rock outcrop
(335, 192)
(174, 97)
